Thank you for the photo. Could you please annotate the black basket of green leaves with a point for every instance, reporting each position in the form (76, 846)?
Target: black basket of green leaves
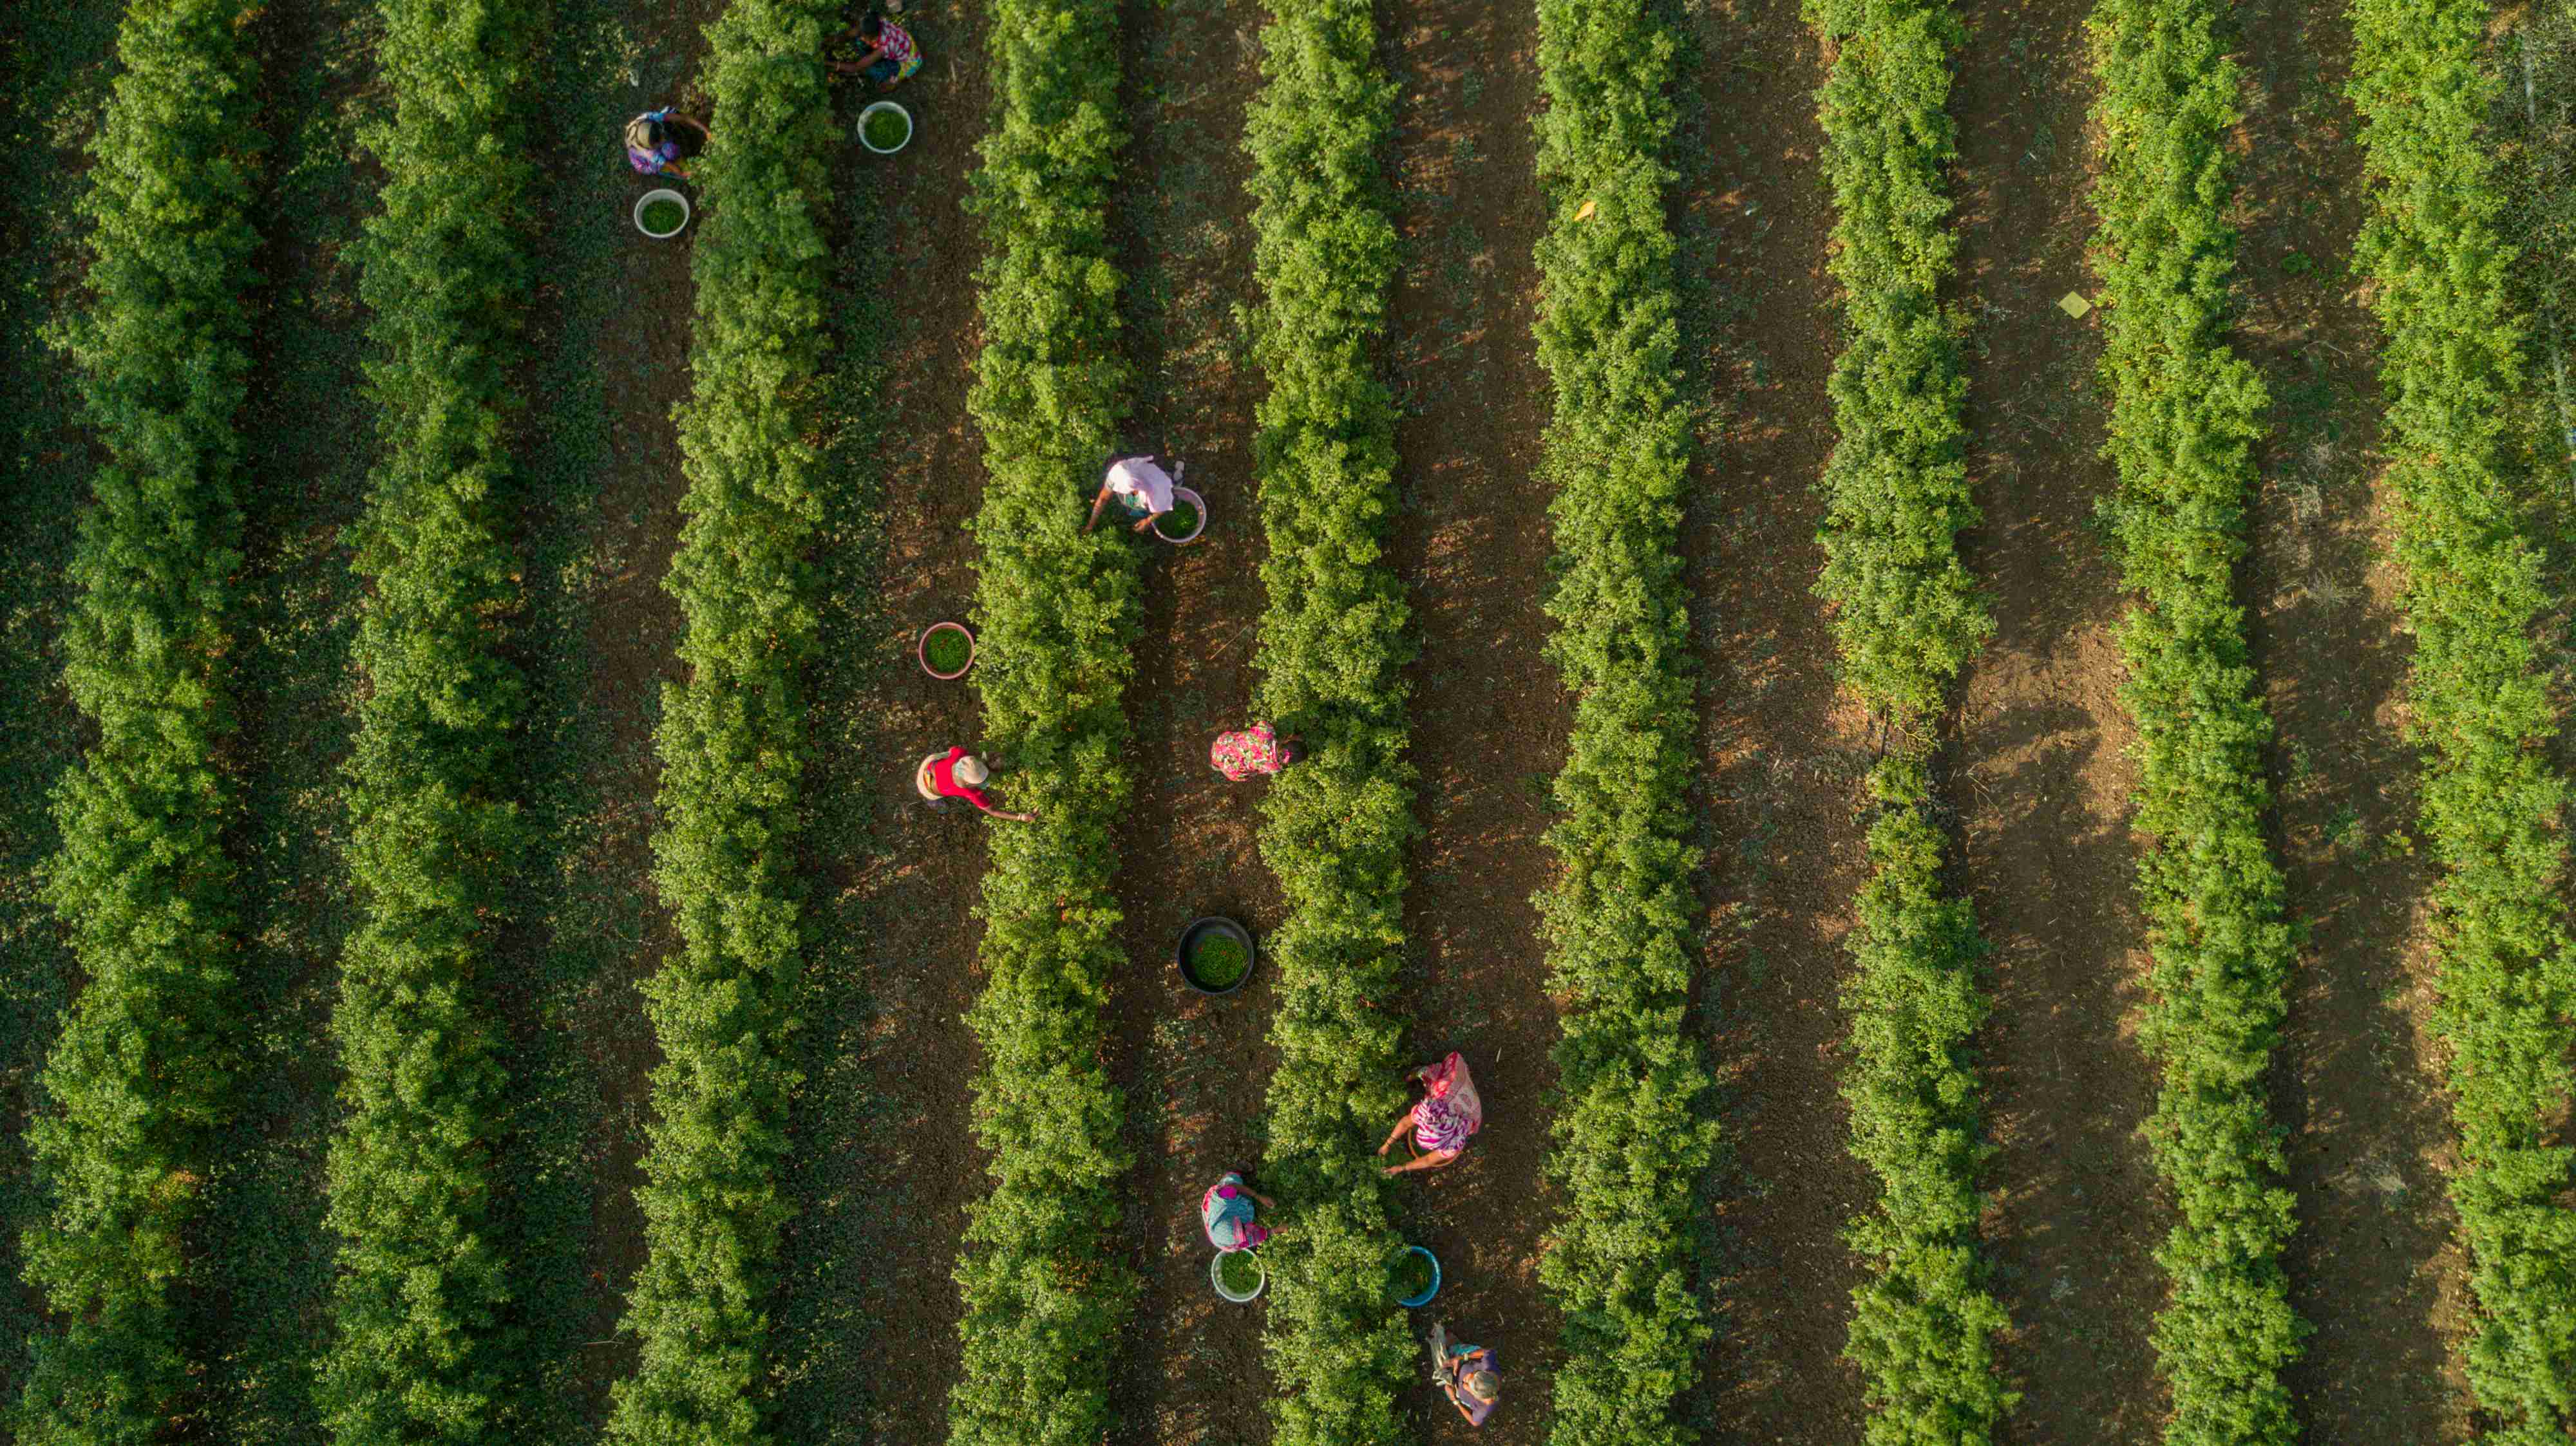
(1215, 955)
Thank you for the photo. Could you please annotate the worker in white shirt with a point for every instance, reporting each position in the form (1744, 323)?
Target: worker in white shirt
(1143, 490)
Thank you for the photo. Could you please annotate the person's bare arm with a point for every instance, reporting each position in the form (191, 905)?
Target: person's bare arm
(1432, 1161)
(1400, 1122)
(1149, 520)
(1096, 504)
(1264, 1201)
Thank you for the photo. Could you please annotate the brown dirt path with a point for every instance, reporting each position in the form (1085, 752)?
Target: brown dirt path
(262, 1313)
(1784, 756)
(882, 1166)
(599, 518)
(1489, 715)
(2373, 1268)
(2045, 780)
(1192, 1066)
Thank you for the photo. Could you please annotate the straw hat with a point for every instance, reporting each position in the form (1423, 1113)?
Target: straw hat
(1485, 1386)
(972, 772)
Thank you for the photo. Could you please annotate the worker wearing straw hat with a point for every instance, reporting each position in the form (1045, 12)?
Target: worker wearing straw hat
(1466, 1374)
(959, 774)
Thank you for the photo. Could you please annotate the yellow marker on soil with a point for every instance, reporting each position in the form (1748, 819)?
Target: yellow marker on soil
(2074, 304)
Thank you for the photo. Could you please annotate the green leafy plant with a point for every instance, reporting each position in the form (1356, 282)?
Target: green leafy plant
(432, 838)
(1631, 1149)
(2185, 413)
(732, 740)
(1333, 644)
(1907, 617)
(1045, 1296)
(2492, 806)
(147, 1064)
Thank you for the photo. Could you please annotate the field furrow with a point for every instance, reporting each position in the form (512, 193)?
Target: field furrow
(2046, 770)
(1489, 714)
(1782, 759)
(881, 1165)
(2372, 1269)
(1192, 1067)
(597, 492)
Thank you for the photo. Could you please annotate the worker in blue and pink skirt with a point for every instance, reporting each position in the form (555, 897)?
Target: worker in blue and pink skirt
(1226, 1211)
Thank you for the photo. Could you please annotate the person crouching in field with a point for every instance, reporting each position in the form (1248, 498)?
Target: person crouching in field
(960, 774)
(1448, 1112)
(1466, 1374)
(1143, 490)
(1257, 751)
(885, 54)
(658, 140)
(1226, 1214)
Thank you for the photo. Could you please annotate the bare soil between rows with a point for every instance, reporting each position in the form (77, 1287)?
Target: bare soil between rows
(1489, 713)
(1193, 1068)
(1783, 754)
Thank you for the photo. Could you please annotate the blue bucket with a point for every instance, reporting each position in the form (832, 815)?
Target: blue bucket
(1434, 1289)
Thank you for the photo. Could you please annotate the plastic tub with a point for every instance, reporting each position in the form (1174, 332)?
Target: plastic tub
(921, 649)
(1179, 495)
(664, 194)
(1216, 1276)
(1198, 929)
(1424, 1298)
(885, 107)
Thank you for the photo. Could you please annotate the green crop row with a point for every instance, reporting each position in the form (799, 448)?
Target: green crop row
(1907, 618)
(2492, 806)
(432, 835)
(1631, 1148)
(1055, 609)
(2185, 414)
(732, 739)
(1333, 643)
(147, 1060)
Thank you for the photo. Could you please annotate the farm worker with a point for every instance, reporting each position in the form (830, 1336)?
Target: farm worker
(1467, 1375)
(959, 774)
(1257, 749)
(890, 56)
(1225, 1212)
(658, 140)
(1143, 490)
(1442, 1119)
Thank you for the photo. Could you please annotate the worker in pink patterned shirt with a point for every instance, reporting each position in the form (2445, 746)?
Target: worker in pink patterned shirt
(889, 55)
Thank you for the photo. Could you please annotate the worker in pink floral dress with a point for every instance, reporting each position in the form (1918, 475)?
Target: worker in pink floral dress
(1442, 1120)
(1255, 750)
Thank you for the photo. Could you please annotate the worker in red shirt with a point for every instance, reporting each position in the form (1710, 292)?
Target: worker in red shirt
(960, 774)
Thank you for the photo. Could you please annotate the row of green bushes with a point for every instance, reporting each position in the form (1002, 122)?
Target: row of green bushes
(1055, 610)
(732, 739)
(433, 834)
(147, 1062)
(2492, 806)
(1631, 1148)
(2185, 414)
(1333, 643)
(1907, 618)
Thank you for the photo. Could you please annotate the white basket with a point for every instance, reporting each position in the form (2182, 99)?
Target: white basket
(664, 194)
(1218, 1280)
(879, 107)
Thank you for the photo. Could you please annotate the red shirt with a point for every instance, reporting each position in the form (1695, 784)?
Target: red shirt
(943, 781)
